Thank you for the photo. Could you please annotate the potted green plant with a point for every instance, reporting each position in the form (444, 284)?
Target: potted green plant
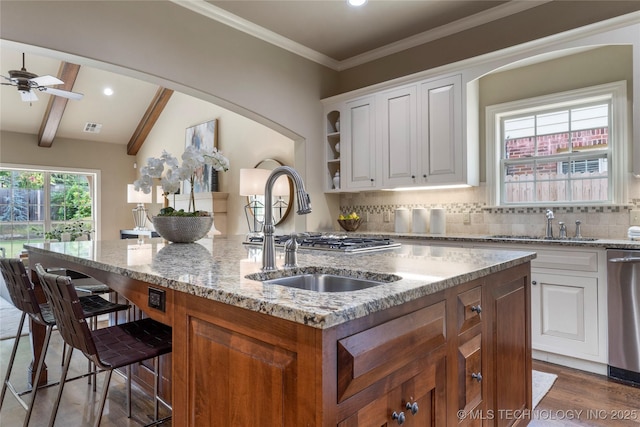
(69, 231)
(180, 226)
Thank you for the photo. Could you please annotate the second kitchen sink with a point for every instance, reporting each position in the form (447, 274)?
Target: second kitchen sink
(569, 239)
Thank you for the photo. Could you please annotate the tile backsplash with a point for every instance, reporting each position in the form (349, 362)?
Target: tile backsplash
(378, 207)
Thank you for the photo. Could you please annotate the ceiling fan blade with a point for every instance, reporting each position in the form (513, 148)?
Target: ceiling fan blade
(62, 93)
(46, 81)
(7, 78)
(28, 96)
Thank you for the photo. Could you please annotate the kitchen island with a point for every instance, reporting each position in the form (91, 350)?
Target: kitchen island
(452, 334)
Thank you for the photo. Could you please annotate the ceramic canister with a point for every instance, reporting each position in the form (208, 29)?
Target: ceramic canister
(402, 220)
(438, 220)
(419, 220)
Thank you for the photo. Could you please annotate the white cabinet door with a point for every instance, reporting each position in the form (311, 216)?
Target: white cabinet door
(359, 135)
(564, 315)
(398, 136)
(442, 157)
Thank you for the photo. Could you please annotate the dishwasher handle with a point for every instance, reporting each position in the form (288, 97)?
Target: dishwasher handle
(632, 259)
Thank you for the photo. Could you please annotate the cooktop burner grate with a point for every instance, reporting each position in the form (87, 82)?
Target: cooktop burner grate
(333, 242)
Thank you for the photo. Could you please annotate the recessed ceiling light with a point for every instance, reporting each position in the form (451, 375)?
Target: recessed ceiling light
(357, 2)
(108, 91)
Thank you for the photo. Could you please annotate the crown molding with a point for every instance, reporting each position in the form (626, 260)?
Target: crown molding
(213, 12)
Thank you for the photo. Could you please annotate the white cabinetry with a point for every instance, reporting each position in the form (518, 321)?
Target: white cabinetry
(441, 150)
(398, 122)
(409, 136)
(568, 306)
(360, 169)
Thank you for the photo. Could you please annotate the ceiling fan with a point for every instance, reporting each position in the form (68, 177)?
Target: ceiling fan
(27, 83)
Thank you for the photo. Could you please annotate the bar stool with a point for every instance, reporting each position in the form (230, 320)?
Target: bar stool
(23, 297)
(109, 348)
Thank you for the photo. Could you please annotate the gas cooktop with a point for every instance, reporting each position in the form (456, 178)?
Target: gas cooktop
(332, 242)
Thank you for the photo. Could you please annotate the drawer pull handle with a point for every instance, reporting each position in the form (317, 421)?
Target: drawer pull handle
(477, 376)
(533, 282)
(413, 407)
(476, 308)
(399, 417)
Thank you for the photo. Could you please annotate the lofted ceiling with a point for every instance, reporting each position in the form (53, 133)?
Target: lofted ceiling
(329, 32)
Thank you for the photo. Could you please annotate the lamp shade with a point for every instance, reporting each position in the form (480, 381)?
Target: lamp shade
(253, 181)
(134, 196)
(281, 187)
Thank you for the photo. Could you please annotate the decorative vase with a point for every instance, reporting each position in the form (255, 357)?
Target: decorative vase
(182, 229)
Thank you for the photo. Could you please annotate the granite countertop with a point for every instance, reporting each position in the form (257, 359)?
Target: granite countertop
(216, 268)
(522, 240)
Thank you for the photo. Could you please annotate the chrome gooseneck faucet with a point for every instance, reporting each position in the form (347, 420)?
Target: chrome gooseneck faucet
(304, 207)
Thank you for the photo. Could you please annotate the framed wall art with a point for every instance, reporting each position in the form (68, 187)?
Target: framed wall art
(204, 135)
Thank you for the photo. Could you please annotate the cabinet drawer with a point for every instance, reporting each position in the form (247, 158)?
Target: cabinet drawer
(470, 374)
(566, 260)
(469, 309)
(375, 353)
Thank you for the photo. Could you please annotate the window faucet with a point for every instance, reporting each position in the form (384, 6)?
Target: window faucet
(304, 207)
(549, 215)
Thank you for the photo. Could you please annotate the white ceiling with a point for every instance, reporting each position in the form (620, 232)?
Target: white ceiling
(328, 31)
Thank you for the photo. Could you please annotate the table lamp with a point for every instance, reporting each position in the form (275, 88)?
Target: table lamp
(252, 183)
(139, 212)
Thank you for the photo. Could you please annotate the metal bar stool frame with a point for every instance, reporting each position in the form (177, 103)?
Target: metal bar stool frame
(22, 294)
(109, 348)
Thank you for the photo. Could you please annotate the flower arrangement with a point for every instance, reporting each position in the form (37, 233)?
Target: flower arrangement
(171, 174)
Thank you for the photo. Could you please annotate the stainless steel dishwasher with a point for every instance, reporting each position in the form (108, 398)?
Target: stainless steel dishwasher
(623, 281)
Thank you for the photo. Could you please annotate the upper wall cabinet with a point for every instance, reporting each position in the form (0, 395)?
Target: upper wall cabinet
(360, 160)
(408, 136)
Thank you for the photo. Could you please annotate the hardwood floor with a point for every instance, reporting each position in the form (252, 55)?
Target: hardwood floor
(78, 398)
(576, 399)
(579, 398)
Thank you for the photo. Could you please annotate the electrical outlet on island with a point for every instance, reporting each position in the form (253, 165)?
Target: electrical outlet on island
(634, 217)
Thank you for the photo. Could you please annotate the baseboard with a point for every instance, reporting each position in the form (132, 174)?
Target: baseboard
(571, 362)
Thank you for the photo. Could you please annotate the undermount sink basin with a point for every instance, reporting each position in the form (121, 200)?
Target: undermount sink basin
(322, 281)
(561, 239)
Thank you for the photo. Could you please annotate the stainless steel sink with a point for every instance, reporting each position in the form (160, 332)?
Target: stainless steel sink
(324, 279)
(568, 239)
(320, 282)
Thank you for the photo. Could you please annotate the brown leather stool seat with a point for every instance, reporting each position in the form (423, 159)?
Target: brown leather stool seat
(109, 348)
(23, 297)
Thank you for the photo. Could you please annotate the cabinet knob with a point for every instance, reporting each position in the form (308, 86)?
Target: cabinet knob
(413, 177)
(398, 417)
(533, 282)
(477, 376)
(413, 407)
(424, 176)
(371, 179)
(476, 308)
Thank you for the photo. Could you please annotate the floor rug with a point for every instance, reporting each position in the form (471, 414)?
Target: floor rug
(9, 320)
(542, 383)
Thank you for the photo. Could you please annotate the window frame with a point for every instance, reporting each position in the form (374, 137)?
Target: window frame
(94, 188)
(615, 92)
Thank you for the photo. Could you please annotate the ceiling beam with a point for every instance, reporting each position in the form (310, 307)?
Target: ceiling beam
(55, 109)
(149, 119)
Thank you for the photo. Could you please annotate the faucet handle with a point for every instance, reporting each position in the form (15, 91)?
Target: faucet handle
(563, 229)
(291, 251)
(549, 214)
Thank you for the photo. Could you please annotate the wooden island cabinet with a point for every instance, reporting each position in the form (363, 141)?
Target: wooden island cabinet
(467, 348)
(447, 344)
